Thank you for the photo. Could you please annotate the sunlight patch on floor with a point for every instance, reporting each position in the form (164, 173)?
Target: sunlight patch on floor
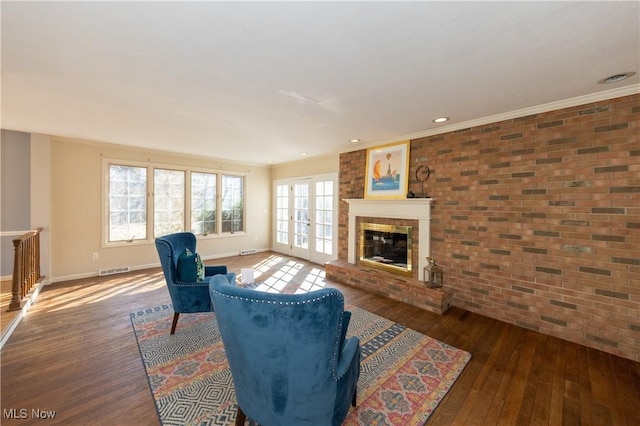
(313, 281)
(285, 274)
(267, 264)
(272, 286)
(274, 279)
(114, 286)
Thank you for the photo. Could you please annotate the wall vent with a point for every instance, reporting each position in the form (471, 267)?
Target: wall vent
(103, 272)
(248, 251)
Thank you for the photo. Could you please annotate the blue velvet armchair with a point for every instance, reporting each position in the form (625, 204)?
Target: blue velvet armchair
(186, 297)
(290, 361)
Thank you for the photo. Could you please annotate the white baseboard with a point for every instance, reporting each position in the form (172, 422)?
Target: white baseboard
(95, 273)
(139, 267)
(46, 281)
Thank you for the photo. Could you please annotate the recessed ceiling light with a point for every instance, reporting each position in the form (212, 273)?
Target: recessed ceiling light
(440, 119)
(354, 140)
(304, 153)
(617, 77)
(269, 161)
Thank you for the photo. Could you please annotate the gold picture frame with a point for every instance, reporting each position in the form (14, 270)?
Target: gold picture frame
(387, 172)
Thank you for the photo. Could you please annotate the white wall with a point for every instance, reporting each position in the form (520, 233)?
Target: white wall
(308, 167)
(15, 201)
(77, 202)
(64, 177)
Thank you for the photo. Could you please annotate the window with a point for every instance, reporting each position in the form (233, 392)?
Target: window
(127, 203)
(232, 204)
(203, 203)
(168, 202)
(180, 199)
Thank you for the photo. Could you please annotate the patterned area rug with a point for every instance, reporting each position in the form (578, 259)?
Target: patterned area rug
(404, 374)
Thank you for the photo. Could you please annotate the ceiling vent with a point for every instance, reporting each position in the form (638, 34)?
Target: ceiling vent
(617, 77)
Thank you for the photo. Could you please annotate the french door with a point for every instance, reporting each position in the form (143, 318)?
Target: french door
(306, 218)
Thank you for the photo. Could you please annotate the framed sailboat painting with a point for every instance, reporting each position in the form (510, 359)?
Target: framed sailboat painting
(387, 171)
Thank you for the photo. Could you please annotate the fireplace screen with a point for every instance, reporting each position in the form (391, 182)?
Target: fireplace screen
(386, 247)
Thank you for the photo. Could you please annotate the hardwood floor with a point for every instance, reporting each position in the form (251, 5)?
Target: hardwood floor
(75, 353)
(5, 298)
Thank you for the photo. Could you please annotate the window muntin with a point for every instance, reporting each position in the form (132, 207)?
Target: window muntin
(127, 203)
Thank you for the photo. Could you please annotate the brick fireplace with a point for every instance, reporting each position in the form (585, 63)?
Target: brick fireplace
(386, 246)
(535, 220)
(411, 212)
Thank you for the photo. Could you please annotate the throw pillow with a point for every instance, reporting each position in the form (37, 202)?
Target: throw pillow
(190, 267)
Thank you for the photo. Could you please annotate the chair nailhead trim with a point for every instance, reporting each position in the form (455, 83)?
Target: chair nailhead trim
(273, 302)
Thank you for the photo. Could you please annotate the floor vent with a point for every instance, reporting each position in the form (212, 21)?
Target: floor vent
(103, 272)
(249, 251)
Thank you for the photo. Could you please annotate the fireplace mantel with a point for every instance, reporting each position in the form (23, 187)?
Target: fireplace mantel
(410, 208)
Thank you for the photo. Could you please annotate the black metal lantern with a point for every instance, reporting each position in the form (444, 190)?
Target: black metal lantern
(433, 275)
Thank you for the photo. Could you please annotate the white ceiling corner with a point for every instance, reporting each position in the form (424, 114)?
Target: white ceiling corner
(259, 81)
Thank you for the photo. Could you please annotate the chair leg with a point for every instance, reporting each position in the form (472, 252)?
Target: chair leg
(353, 401)
(240, 417)
(175, 322)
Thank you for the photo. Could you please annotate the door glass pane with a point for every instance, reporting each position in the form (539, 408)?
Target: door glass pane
(301, 215)
(282, 214)
(324, 215)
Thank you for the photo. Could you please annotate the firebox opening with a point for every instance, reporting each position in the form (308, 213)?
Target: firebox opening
(386, 247)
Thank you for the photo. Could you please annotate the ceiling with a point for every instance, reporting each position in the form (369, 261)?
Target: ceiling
(263, 82)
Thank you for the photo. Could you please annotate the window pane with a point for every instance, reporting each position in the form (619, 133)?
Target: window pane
(127, 203)
(168, 202)
(324, 217)
(282, 214)
(203, 203)
(232, 203)
(213, 196)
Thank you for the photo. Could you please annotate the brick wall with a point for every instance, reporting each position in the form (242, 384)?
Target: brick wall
(536, 220)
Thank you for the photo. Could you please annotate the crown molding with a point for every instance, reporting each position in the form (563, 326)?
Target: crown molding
(552, 106)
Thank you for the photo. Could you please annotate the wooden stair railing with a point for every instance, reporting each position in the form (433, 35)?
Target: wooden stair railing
(26, 267)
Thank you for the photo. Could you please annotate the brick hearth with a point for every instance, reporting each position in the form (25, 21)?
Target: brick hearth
(411, 290)
(394, 286)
